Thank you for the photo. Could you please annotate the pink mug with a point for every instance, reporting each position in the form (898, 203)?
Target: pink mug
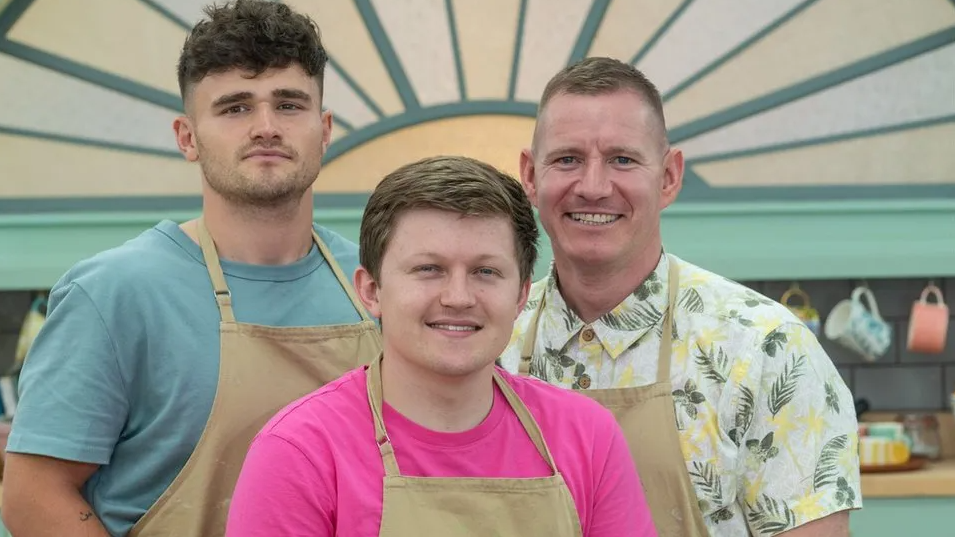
(928, 324)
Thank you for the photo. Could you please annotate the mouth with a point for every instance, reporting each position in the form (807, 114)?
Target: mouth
(457, 328)
(594, 219)
(267, 154)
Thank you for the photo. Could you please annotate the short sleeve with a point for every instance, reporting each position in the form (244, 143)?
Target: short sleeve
(799, 452)
(73, 401)
(280, 493)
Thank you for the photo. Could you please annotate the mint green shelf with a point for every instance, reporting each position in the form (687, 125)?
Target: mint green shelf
(743, 241)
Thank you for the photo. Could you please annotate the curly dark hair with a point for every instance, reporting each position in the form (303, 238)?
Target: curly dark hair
(251, 35)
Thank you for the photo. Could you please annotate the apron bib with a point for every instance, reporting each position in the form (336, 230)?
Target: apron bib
(648, 419)
(466, 507)
(261, 370)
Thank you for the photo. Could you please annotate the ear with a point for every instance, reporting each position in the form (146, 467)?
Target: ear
(186, 138)
(367, 289)
(522, 299)
(528, 176)
(326, 130)
(672, 177)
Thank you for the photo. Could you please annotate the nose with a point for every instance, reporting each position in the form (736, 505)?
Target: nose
(264, 124)
(457, 292)
(594, 183)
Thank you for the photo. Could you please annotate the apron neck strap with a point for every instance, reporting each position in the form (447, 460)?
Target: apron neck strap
(666, 339)
(224, 295)
(375, 401)
(211, 256)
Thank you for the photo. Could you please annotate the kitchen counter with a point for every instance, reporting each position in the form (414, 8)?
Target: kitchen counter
(934, 479)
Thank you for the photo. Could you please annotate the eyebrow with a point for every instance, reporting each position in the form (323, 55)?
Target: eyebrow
(281, 93)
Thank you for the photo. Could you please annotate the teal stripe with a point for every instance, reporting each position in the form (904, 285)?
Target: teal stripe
(518, 42)
(10, 15)
(660, 31)
(588, 31)
(89, 74)
(786, 146)
(388, 54)
(813, 85)
(355, 87)
(423, 115)
(456, 49)
(89, 142)
(172, 17)
(715, 64)
(118, 204)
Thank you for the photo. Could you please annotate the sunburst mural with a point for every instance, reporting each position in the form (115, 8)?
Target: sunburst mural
(770, 99)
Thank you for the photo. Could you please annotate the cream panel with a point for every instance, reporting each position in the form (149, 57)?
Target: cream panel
(918, 89)
(144, 47)
(703, 33)
(628, 24)
(922, 156)
(486, 34)
(497, 140)
(341, 99)
(550, 32)
(828, 35)
(347, 40)
(41, 100)
(52, 169)
(421, 37)
(189, 11)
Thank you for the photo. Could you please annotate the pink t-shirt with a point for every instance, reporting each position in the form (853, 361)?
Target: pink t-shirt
(315, 470)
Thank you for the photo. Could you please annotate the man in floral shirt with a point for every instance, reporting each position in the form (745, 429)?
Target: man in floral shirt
(735, 412)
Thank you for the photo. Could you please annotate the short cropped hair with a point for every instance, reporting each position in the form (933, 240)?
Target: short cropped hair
(251, 35)
(460, 185)
(602, 76)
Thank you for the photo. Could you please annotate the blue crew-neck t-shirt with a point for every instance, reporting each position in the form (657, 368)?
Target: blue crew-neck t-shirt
(124, 372)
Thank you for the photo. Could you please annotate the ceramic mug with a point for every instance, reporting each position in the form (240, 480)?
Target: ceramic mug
(859, 328)
(928, 324)
(806, 313)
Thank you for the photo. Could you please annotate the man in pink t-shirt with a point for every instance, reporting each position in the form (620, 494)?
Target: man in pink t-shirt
(433, 438)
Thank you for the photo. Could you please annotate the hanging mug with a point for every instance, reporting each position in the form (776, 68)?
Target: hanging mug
(928, 324)
(859, 328)
(806, 313)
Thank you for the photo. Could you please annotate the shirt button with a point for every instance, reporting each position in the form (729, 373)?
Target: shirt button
(588, 335)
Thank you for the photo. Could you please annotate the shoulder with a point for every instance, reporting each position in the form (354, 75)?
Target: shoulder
(324, 413)
(337, 244)
(709, 300)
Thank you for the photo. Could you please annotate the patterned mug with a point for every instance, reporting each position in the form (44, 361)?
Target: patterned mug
(806, 313)
(858, 328)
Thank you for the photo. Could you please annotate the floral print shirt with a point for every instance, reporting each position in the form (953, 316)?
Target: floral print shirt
(767, 425)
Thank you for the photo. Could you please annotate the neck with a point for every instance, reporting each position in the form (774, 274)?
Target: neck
(258, 235)
(442, 404)
(593, 290)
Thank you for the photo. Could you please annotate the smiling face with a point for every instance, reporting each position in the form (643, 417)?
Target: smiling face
(259, 141)
(600, 173)
(449, 291)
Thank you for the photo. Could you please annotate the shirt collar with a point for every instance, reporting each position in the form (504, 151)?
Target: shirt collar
(618, 330)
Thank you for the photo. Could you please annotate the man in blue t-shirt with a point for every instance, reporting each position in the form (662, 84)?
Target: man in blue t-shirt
(161, 358)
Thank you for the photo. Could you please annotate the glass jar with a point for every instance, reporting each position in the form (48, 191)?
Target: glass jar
(922, 430)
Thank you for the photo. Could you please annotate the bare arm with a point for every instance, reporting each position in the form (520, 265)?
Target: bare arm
(41, 498)
(834, 525)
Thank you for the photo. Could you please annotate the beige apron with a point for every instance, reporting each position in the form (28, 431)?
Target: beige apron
(648, 419)
(469, 507)
(261, 370)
